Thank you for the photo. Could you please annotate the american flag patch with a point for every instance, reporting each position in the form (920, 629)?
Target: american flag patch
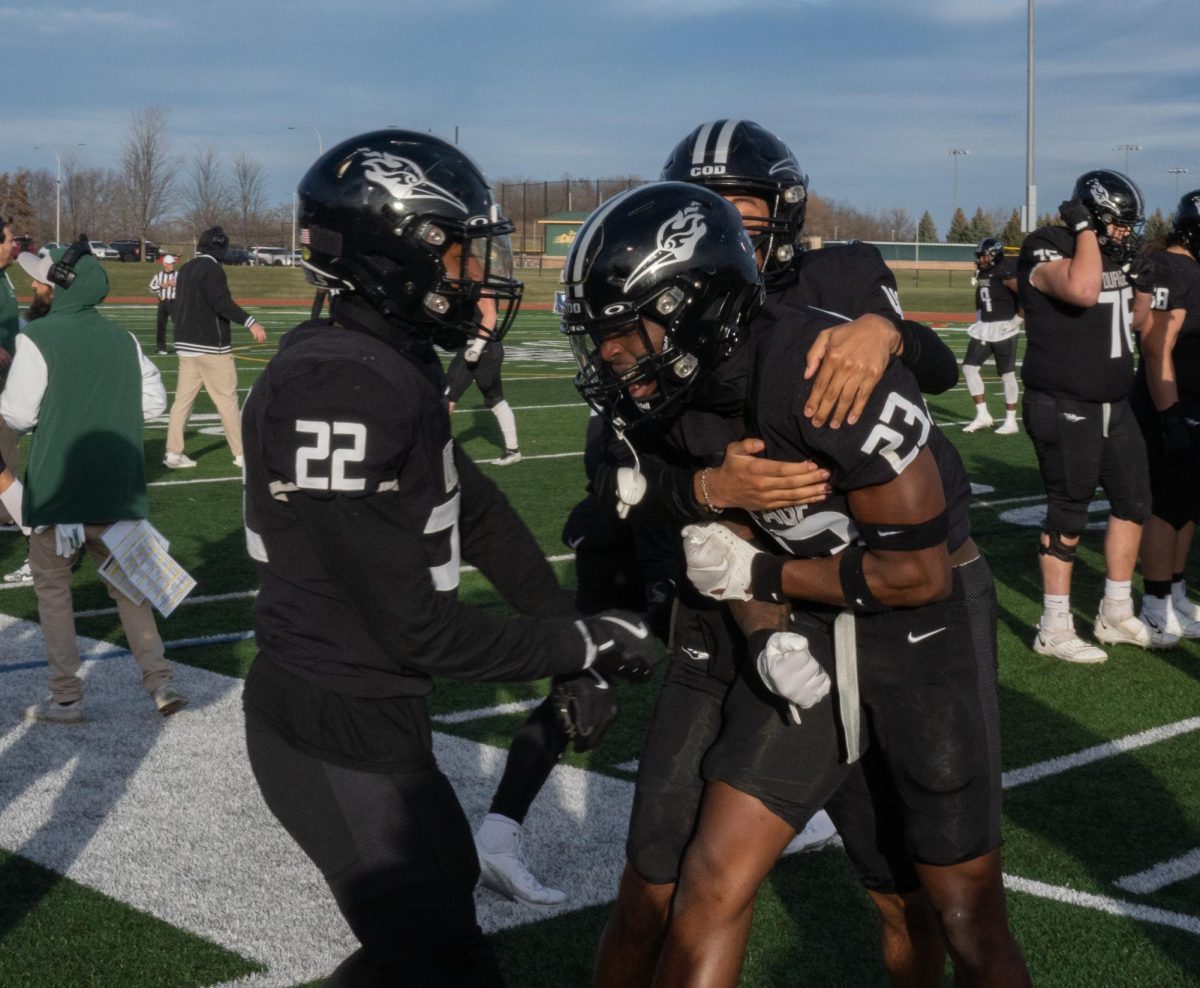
(304, 238)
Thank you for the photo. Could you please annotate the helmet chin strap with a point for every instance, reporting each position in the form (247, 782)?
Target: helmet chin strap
(631, 484)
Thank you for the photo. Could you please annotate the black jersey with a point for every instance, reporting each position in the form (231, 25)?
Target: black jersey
(359, 508)
(994, 300)
(1070, 352)
(892, 431)
(1177, 286)
(849, 280)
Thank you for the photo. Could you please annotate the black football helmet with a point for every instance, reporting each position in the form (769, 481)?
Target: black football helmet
(408, 223)
(1112, 198)
(677, 255)
(989, 252)
(740, 156)
(1186, 222)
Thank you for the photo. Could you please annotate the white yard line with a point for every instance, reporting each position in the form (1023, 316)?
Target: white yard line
(1110, 749)
(1104, 904)
(1178, 869)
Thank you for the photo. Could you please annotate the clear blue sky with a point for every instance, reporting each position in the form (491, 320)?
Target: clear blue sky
(870, 94)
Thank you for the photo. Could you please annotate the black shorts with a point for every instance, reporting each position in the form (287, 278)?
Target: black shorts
(485, 373)
(705, 648)
(395, 849)
(1081, 445)
(1174, 483)
(1004, 352)
(932, 768)
(791, 768)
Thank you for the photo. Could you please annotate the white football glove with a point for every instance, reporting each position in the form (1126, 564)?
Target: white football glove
(718, 562)
(68, 538)
(788, 669)
(473, 350)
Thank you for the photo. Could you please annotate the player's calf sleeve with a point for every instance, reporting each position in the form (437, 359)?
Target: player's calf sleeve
(508, 423)
(974, 380)
(535, 750)
(1010, 387)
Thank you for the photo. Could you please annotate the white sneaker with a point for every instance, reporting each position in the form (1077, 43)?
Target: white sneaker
(1166, 627)
(168, 700)
(502, 867)
(1066, 645)
(510, 457)
(1009, 428)
(981, 422)
(817, 833)
(53, 712)
(178, 461)
(1129, 630)
(21, 576)
(239, 462)
(1189, 615)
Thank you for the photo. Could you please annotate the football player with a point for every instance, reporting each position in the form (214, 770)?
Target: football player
(704, 463)
(359, 509)
(1166, 398)
(1078, 370)
(480, 361)
(885, 567)
(993, 334)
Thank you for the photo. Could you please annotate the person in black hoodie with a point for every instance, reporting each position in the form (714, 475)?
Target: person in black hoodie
(203, 311)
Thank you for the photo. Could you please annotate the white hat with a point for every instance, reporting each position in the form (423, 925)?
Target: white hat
(37, 266)
(168, 259)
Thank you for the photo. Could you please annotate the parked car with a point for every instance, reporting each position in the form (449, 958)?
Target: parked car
(52, 246)
(131, 250)
(238, 256)
(273, 256)
(103, 250)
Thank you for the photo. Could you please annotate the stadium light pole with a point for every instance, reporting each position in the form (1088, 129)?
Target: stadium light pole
(320, 142)
(57, 189)
(1127, 148)
(1030, 208)
(1177, 172)
(956, 153)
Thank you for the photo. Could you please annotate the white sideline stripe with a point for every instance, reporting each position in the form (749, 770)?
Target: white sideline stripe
(1161, 875)
(1104, 904)
(525, 408)
(463, 716)
(1110, 749)
(630, 766)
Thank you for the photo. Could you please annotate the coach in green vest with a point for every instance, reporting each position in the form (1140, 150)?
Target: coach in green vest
(80, 383)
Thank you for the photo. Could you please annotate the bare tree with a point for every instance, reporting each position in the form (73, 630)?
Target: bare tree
(206, 194)
(149, 168)
(249, 190)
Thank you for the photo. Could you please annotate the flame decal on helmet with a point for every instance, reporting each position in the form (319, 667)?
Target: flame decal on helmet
(404, 180)
(678, 238)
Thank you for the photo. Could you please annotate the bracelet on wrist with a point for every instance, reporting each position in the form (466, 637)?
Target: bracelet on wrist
(709, 506)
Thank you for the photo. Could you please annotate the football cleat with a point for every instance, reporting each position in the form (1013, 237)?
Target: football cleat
(510, 457)
(817, 833)
(980, 422)
(168, 700)
(1009, 428)
(178, 461)
(21, 576)
(1067, 645)
(1129, 629)
(502, 867)
(1166, 626)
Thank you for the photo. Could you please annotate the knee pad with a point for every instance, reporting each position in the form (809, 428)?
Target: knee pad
(1010, 387)
(1057, 548)
(1065, 517)
(974, 379)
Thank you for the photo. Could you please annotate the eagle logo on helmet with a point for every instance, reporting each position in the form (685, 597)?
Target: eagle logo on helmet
(404, 180)
(1102, 197)
(678, 238)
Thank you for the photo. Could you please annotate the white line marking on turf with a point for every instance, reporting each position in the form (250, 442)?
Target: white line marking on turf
(1110, 749)
(1104, 904)
(1178, 869)
(463, 716)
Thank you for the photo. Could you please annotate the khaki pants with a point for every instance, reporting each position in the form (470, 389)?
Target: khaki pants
(217, 374)
(56, 611)
(10, 449)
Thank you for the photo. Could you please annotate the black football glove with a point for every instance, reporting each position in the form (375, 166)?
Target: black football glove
(585, 707)
(1177, 438)
(1075, 216)
(625, 649)
(1140, 273)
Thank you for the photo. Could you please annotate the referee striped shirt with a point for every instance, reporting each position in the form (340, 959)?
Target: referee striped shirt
(162, 285)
